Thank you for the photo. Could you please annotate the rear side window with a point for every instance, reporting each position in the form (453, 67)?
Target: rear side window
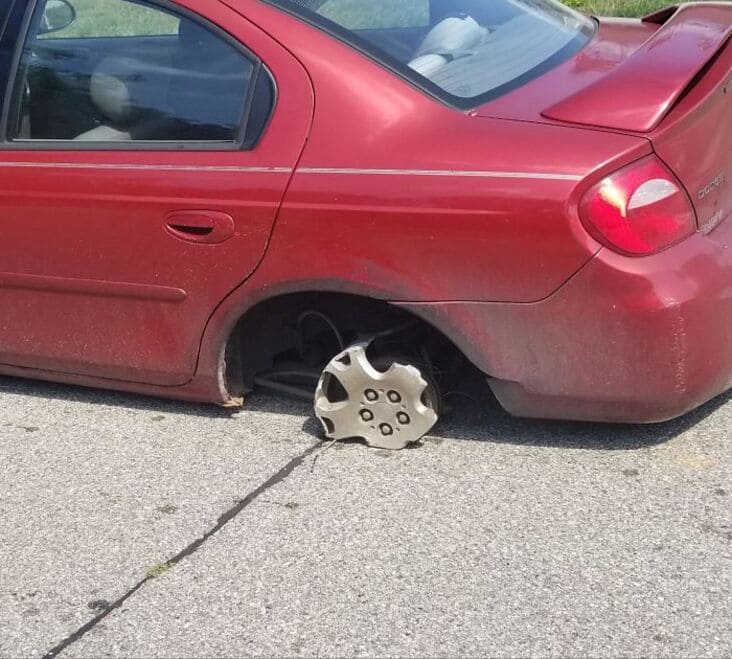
(466, 51)
(126, 71)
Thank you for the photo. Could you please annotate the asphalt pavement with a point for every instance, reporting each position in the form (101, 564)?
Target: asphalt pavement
(139, 527)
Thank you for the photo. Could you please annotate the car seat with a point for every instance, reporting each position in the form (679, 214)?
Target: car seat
(127, 92)
(112, 97)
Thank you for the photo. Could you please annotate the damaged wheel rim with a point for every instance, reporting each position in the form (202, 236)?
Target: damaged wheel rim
(388, 409)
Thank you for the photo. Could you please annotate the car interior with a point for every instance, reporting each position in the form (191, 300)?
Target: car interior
(133, 88)
(160, 87)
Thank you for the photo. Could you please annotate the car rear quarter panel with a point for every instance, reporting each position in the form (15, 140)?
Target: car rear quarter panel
(630, 340)
(400, 196)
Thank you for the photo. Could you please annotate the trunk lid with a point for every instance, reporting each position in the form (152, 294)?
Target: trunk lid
(667, 78)
(637, 95)
(695, 141)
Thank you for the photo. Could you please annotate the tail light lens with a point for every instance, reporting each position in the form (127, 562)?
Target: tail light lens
(640, 210)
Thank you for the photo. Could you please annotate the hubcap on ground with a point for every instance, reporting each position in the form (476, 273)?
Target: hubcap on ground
(388, 409)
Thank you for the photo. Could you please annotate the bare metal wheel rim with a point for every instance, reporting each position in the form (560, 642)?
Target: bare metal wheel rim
(387, 409)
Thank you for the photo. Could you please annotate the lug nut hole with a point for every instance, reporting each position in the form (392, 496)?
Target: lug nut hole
(386, 429)
(371, 395)
(394, 396)
(403, 418)
(367, 415)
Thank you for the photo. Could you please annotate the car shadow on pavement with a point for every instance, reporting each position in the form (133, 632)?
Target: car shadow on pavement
(473, 416)
(493, 424)
(479, 417)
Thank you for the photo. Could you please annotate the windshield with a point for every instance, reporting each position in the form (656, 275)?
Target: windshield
(466, 49)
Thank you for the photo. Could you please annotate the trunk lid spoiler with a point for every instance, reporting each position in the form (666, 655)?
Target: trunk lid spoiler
(638, 94)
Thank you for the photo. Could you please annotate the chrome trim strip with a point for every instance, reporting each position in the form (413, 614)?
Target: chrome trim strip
(441, 172)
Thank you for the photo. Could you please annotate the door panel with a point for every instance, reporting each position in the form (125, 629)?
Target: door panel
(92, 279)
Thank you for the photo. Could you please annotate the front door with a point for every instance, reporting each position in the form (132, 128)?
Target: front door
(145, 155)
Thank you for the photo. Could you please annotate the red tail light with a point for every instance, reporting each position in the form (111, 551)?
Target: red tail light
(640, 210)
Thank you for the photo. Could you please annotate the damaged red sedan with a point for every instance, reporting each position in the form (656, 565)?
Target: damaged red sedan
(353, 199)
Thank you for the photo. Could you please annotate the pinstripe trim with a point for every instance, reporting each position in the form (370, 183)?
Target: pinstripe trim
(440, 173)
(447, 173)
(171, 168)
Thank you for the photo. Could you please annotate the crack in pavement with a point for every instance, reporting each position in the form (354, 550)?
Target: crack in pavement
(190, 549)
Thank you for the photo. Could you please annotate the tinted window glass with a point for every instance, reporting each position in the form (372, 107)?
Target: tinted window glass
(5, 8)
(465, 48)
(11, 16)
(125, 70)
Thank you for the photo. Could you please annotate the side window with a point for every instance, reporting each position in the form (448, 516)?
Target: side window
(125, 71)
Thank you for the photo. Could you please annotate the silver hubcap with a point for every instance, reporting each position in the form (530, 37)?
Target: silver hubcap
(385, 409)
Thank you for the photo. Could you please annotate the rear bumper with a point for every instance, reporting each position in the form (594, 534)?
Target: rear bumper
(627, 340)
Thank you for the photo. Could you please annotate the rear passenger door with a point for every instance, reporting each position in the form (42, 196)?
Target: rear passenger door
(146, 148)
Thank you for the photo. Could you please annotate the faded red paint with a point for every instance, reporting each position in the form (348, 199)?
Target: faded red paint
(467, 219)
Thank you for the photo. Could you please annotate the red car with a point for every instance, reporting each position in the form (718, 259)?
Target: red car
(354, 197)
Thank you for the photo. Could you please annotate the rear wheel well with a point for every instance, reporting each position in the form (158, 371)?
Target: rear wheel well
(310, 328)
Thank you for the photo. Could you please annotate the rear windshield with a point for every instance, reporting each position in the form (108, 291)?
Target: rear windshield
(466, 50)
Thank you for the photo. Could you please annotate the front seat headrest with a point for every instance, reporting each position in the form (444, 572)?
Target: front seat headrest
(125, 89)
(111, 96)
